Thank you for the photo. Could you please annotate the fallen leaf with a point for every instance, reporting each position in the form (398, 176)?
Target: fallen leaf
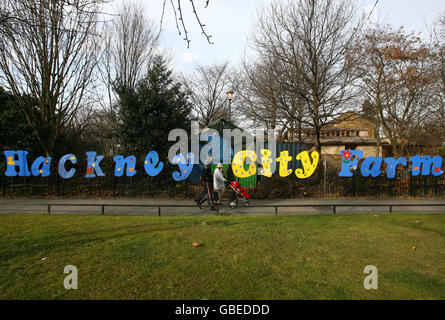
(196, 244)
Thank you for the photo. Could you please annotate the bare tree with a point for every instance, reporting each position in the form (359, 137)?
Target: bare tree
(178, 8)
(437, 123)
(102, 123)
(7, 14)
(264, 100)
(49, 59)
(131, 41)
(309, 43)
(208, 87)
(258, 95)
(397, 78)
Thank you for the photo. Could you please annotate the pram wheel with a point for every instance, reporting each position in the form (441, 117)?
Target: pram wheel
(247, 203)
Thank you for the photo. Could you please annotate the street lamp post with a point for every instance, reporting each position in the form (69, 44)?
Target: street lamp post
(229, 97)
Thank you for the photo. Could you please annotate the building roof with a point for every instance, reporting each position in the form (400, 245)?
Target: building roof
(342, 129)
(344, 140)
(347, 116)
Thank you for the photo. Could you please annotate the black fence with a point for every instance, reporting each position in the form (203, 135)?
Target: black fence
(324, 183)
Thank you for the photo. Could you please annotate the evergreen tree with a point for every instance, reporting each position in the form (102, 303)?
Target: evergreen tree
(148, 113)
(15, 132)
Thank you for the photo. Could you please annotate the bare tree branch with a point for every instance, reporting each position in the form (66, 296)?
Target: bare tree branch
(307, 48)
(181, 26)
(48, 61)
(208, 87)
(397, 78)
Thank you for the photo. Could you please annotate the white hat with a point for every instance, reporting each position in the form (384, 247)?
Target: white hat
(219, 165)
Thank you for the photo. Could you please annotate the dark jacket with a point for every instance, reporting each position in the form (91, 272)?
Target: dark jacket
(207, 175)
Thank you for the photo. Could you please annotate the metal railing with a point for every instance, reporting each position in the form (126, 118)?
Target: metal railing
(325, 185)
(275, 206)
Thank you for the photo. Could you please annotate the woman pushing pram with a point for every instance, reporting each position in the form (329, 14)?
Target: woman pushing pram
(216, 183)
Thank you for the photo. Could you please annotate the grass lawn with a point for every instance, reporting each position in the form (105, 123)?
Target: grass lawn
(284, 257)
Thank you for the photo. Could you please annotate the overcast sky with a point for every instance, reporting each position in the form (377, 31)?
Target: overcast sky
(230, 21)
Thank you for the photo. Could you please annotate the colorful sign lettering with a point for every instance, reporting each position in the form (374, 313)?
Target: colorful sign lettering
(17, 164)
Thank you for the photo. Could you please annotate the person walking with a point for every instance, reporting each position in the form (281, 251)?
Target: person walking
(219, 182)
(206, 180)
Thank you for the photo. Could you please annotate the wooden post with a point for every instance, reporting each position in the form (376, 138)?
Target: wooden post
(48, 209)
(103, 209)
(334, 209)
(159, 211)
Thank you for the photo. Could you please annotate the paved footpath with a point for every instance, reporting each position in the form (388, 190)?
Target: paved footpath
(316, 207)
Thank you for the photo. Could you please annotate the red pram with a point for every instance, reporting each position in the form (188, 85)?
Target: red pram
(239, 193)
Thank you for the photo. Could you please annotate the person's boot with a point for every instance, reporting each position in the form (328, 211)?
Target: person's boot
(198, 204)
